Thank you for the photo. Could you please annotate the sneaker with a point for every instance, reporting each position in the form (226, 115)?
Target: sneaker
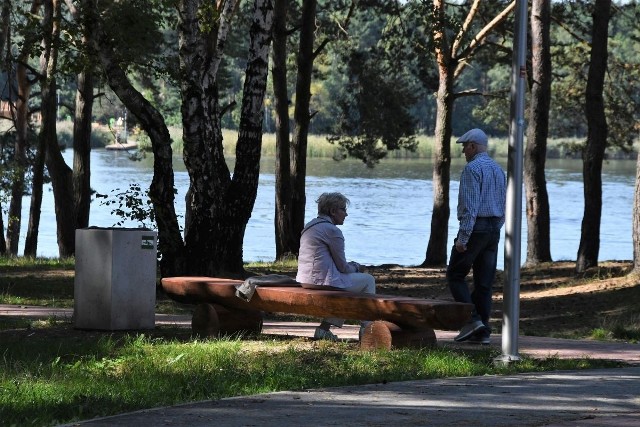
(480, 338)
(468, 330)
(323, 334)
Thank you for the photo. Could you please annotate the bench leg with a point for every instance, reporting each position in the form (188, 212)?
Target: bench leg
(385, 335)
(212, 320)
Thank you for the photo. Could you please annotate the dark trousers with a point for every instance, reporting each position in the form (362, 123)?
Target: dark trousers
(482, 255)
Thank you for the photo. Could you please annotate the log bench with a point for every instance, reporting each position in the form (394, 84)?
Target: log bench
(397, 321)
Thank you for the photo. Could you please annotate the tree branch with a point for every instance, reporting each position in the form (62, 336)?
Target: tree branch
(479, 38)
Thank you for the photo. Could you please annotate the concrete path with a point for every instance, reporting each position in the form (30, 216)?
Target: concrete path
(587, 398)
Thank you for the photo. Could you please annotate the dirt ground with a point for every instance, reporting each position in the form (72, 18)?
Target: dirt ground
(554, 301)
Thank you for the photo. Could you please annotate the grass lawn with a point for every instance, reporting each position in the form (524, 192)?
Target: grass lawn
(51, 373)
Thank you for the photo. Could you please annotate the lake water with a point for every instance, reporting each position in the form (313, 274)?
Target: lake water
(390, 212)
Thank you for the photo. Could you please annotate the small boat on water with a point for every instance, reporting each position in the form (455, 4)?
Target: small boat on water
(129, 145)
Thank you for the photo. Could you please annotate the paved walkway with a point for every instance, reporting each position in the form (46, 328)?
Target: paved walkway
(587, 398)
(570, 399)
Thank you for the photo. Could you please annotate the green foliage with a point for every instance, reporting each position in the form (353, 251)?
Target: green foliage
(132, 204)
(135, 28)
(209, 17)
(375, 112)
(375, 103)
(571, 50)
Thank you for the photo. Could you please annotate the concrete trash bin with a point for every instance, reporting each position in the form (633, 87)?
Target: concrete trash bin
(115, 278)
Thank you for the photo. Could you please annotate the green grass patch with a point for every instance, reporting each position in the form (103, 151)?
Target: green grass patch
(39, 281)
(8, 264)
(51, 373)
(60, 379)
(625, 327)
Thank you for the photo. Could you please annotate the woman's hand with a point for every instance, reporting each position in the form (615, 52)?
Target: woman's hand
(359, 268)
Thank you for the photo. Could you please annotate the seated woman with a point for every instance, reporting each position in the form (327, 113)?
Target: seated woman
(322, 261)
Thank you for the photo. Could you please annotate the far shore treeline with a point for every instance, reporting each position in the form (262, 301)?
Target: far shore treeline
(320, 146)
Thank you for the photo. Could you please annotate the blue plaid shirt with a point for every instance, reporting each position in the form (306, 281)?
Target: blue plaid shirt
(483, 192)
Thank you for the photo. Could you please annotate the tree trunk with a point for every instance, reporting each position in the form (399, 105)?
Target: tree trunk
(3, 242)
(161, 191)
(14, 214)
(437, 248)
(5, 26)
(636, 221)
(451, 57)
(302, 119)
(202, 137)
(537, 198)
(82, 148)
(58, 170)
(47, 139)
(247, 169)
(285, 233)
(35, 208)
(21, 122)
(593, 155)
(218, 208)
(5, 29)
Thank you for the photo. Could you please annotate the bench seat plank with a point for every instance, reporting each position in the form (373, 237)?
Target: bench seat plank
(407, 312)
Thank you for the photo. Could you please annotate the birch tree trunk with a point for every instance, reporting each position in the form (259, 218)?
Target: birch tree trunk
(218, 206)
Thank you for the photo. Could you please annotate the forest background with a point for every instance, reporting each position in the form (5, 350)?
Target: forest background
(370, 75)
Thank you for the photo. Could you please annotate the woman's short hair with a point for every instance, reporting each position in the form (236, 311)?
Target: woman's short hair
(328, 201)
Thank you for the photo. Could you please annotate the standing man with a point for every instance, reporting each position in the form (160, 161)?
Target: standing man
(481, 207)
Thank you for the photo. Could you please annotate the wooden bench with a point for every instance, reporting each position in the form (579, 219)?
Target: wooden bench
(397, 321)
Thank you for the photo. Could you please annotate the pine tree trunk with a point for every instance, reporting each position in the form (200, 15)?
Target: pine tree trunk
(302, 119)
(636, 221)
(593, 154)
(537, 198)
(284, 231)
(451, 57)
(437, 248)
